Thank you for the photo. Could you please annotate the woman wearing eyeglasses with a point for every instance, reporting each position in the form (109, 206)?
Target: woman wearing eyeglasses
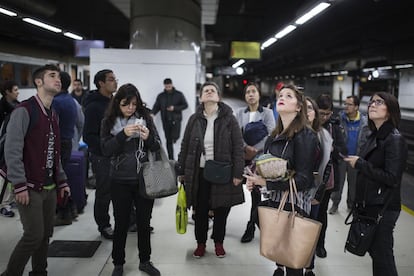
(380, 167)
(127, 134)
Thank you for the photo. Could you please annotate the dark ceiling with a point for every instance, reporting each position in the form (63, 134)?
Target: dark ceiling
(351, 34)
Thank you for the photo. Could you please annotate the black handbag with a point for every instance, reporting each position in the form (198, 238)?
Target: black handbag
(217, 172)
(362, 231)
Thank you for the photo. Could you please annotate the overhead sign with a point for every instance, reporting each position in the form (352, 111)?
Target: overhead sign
(245, 50)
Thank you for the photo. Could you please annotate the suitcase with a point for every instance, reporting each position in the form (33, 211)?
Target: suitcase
(76, 174)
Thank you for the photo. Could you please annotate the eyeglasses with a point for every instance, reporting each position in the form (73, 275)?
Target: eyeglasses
(310, 108)
(349, 104)
(376, 102)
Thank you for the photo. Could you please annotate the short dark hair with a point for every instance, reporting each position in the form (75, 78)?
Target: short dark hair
(78, 80)
(393, 108)
(252, 84)
(65, 80)
(167, 81)
(101, 76)
(39, 73)
(355, 99)
(324, 101)
(210, 83)
(8, 85)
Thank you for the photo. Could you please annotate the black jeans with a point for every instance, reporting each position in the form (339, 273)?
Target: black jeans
(256, 198)
(124, 196)
(201, 214)
(382, 249)
(101, 166)
(172, 133)
(323, 217)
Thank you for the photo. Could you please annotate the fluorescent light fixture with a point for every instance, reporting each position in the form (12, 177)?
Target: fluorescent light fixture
(385, 67)
(268, 42)
(327, 74)
(72, 35)
(7, 12)
(285, 31)
(238, 63)
(402, 66)
(334, 73)
(313, 12)
(343, 72)
(368, 69)
(42, 25)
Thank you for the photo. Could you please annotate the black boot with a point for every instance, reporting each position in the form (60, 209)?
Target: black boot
(249, 233)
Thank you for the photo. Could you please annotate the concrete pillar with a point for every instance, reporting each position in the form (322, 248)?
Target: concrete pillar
(160, 24)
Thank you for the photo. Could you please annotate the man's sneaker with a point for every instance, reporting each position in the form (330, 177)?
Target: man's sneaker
(149, 268)
(333, 210)
(5, 211)
(200, 250)
(220, 253)
(108, 233)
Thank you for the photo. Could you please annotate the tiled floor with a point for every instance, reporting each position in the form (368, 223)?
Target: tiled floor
(172, 252)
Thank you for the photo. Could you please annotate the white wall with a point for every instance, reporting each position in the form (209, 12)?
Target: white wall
(147, 69)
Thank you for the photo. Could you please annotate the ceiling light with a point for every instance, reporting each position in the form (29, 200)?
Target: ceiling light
(268, 42)
(401, 66)
(238, 63)
(7, 12)
(385, 68)
(239, 71)
(41, 25)
(285, 31)
(375, 74)
(313, 12)
(72, 35)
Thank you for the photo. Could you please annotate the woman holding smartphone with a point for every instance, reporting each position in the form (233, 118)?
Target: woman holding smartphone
(127, 134)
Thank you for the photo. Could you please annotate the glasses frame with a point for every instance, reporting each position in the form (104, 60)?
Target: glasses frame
(377, 102)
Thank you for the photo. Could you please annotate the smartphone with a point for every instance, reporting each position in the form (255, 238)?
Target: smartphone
(139, 121)
(343, 156)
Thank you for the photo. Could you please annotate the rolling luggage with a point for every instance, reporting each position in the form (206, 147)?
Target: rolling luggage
(76, 173)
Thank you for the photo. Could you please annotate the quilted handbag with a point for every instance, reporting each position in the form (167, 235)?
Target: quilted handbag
(159, 176)
(271, 167)
(286, 237)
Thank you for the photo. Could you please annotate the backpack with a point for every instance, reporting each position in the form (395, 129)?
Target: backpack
(33, 115)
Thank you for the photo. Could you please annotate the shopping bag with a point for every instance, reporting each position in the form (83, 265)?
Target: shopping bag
(181, 214)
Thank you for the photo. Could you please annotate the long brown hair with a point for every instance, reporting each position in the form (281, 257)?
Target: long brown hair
(316, 124)
(301, 119)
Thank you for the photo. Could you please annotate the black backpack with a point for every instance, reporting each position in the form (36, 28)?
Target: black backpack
(33, 115)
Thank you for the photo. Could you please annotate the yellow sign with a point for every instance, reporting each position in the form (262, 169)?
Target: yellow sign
(245, 50)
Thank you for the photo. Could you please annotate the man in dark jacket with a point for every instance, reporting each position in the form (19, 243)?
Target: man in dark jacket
(171, 103)
(95, 105)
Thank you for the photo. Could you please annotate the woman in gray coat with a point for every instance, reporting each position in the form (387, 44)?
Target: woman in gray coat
(212, 133)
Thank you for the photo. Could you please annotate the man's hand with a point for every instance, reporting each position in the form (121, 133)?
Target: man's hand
(23, 198)
(170, 108)
(63, 190)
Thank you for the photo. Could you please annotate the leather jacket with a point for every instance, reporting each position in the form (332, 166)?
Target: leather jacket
(380, 168)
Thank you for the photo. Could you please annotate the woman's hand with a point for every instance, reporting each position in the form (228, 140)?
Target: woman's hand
(130, 130)
(236, 181)
(254, 180)
(143, 132)
(352, 159)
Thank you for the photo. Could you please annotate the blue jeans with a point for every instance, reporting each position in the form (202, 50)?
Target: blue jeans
(382, 249)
